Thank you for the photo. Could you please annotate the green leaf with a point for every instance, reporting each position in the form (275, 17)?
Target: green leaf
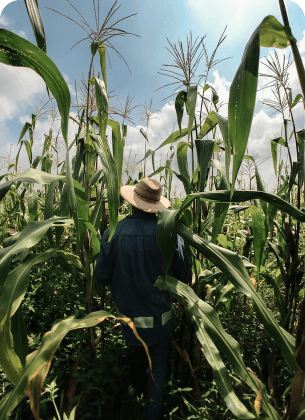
(109, 165)
(209, 123)
(205, 149)
(30, 175)
(181, 98)
(16, 51)
(224, 128)
(171, 139)
(214, 338)
(259, 234)
(29, 237)
(273, 34)
(232, 266)
(274, 155)
(301, 143)
(24, 130)
(32, 201)
(102, 107)
(191, 99)
(270, 33)
(238, 196)
(167, 246)
(12, 293)
(296, 100)
(296, 168)
(19, 333)
(117, 147)
(111, 180)
(41, 359)
(36, 22)
(221, 209)
(280, 141)
(102, 53)
(182, 149)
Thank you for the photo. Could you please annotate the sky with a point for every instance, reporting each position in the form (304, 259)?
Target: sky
(22, 92)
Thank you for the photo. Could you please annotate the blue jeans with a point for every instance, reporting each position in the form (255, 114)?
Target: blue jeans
(158, 353)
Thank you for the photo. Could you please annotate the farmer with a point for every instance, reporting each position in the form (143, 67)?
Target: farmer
(131, 263)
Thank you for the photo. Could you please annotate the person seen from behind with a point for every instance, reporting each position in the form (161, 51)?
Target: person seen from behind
(131, 264)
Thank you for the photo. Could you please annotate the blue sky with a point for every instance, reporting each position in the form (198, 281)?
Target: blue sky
(21, 90)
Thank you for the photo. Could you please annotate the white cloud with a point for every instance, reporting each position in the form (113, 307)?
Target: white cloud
(18, 89)
(4, 21)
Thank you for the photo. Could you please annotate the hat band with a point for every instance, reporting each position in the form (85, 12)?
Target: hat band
(147, 197)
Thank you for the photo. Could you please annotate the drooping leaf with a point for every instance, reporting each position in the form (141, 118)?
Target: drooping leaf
(274, 155)
(182, 149)
(181, 99)
(191, 98)
(41, 359)
(224, 128)
(270, 33)
(205, 149)
(29, 237)
(16, 51)
(209, 123)
(214, 338)
(102, 53)
(30, 175)
(102, 106)
(171, 139)
(12, 293)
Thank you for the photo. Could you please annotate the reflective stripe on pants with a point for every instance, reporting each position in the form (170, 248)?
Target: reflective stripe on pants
(148, 321)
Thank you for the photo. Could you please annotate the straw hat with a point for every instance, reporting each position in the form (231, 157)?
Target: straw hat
(146, 196)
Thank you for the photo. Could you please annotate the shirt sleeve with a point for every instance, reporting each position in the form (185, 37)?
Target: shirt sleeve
(104, 267)
(181, 264)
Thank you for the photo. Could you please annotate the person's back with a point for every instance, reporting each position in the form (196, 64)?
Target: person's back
(136, 264)
(131, 264)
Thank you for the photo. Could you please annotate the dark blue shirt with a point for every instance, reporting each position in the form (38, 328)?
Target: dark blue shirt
(131, 263)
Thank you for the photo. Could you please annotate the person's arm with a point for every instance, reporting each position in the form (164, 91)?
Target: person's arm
(103, 269)
(181, 264)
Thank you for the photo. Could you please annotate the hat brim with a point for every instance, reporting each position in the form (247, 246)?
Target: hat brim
(129, 194)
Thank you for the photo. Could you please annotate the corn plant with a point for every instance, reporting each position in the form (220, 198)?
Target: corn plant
(203, 317)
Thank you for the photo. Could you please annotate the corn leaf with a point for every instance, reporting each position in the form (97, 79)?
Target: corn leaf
(209, 123)
(270, 33)
(205, 150)
(259, 235)
(36, 22)
(29, 237)
(117, 147)
(179, 106)
(109, 164)
(38, 362)
(213, 339)
(191, 98)
(171, 139)
(12, 293)
(182, 149)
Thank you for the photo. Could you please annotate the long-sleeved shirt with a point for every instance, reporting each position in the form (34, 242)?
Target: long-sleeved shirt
(131, 263)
